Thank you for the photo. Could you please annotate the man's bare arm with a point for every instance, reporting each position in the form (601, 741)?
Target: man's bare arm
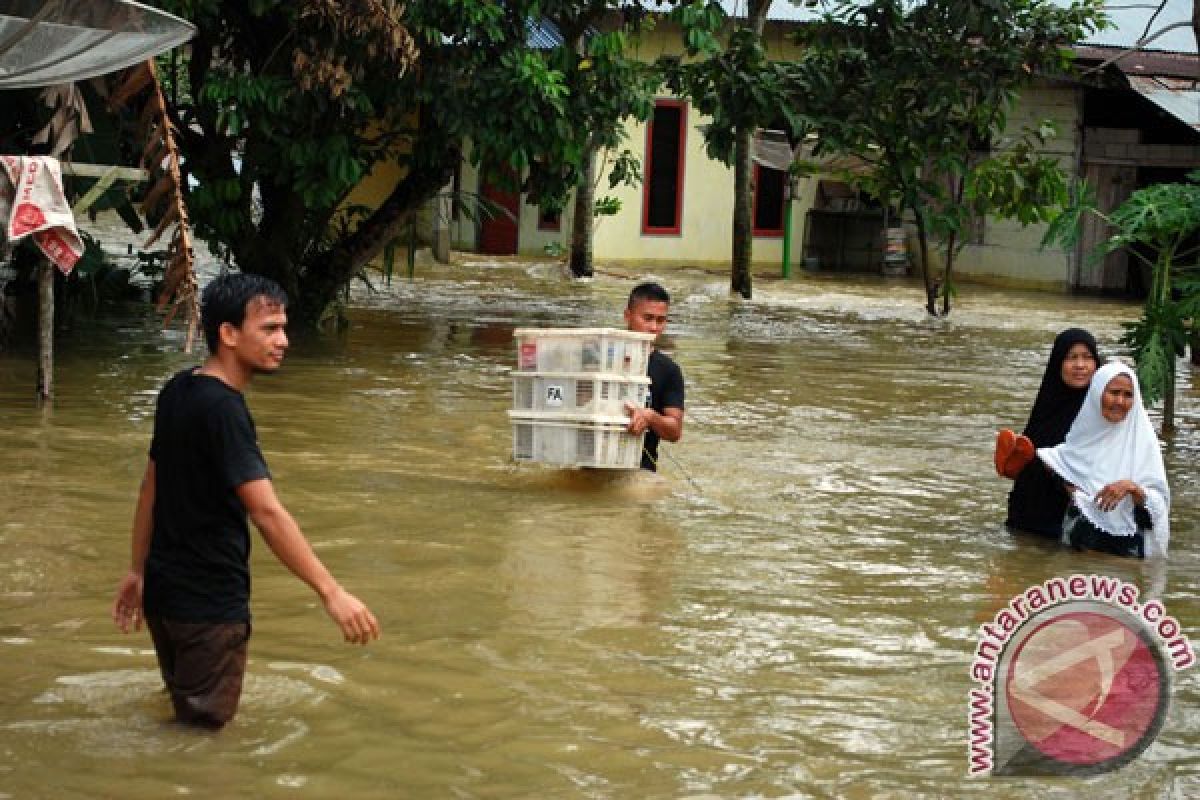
(287, 542)
(668, 425)
(127, 606)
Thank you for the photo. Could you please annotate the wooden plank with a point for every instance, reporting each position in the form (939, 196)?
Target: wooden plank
(93, 194)
(45, 374)
(1113, 185)
(100, 170)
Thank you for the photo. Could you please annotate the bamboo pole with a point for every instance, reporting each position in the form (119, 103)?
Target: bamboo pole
(45, 378)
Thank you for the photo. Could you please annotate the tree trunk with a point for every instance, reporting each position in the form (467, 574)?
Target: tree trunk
(583, 218)
(1161, 298)
(442, 209)
(741, 279)
(931, 287)
(321, 274)
(945, 286)
(952, 248)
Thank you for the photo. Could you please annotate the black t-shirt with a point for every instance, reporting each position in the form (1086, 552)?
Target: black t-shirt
(204, 447)
(666, 391)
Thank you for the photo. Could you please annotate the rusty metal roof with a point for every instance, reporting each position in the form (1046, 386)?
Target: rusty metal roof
(1169, 80)
(1143, 62)
(1179, 97)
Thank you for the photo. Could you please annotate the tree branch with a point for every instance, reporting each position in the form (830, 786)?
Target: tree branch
(1137, 46)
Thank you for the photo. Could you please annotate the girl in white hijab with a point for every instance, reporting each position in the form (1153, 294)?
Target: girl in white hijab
(1113, 468)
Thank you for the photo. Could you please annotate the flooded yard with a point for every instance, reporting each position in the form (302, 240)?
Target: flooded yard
(791, 612)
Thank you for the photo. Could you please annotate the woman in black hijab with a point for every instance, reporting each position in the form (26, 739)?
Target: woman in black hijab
(1037, 501)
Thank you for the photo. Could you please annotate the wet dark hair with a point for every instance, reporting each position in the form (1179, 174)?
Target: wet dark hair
(227, 297)
(648, 291)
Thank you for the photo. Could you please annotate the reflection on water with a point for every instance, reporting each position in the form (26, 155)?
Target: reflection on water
(789, 610)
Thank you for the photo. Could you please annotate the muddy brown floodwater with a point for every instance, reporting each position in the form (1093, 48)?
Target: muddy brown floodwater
(791, 612)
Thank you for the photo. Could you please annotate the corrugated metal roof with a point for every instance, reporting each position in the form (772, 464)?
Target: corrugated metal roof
(543, 34)
(1143, 62)
(780, 10)
(1179, 97)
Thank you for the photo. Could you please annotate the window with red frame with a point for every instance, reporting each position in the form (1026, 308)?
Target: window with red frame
(769, 187)
(662, 195)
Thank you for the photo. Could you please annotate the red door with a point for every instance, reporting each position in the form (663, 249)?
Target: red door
(498, 229)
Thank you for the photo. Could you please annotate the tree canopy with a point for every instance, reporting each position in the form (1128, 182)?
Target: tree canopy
(284, 106)
(922, 91)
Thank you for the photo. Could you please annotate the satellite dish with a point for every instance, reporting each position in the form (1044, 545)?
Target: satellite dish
(48, 42)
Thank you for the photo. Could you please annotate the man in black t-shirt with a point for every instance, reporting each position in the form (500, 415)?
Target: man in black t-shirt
(662, 418)
(189, 576)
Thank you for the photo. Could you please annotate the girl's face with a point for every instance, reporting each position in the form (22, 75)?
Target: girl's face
(1117, 399)
(1079, 366)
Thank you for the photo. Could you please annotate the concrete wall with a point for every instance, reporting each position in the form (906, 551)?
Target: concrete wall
(464, 231)
(1012, 254)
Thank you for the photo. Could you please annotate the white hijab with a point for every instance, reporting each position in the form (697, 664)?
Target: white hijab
(1097, 452)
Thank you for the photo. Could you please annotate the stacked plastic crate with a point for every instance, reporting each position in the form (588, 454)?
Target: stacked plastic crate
(570, 388)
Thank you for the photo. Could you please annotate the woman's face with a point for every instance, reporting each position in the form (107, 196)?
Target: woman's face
(1079, 366)
(1117, 398)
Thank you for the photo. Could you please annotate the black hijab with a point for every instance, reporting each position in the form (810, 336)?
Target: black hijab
(1037, 500)
(1057, 404)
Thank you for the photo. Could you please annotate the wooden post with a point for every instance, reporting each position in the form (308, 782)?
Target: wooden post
(45, 378)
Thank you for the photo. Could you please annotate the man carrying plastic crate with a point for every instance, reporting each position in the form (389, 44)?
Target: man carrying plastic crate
(662, 418)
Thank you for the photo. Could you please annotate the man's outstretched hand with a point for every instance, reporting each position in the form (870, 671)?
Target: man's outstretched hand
(358, 624)
(127, 606)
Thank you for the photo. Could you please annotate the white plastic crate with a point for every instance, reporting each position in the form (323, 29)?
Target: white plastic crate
(597, 441)
(601, 350)
(578, 393)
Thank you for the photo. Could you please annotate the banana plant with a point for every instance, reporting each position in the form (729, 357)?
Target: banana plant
(1159, 226)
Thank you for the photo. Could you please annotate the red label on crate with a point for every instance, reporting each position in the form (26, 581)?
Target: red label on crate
(527, 359)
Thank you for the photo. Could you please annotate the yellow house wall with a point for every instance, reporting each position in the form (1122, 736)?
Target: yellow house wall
(375, 187)
(1011, 254)
(533, 241)
(707, 196)
(706, 225)
(372, 190)
(464, 232)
